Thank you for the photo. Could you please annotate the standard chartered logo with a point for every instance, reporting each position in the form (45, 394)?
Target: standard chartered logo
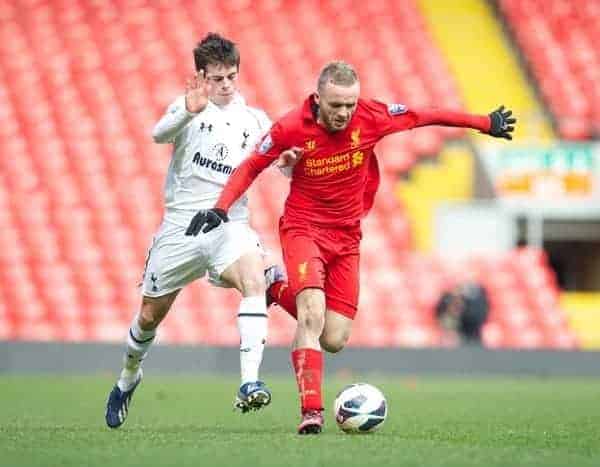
(333, 164)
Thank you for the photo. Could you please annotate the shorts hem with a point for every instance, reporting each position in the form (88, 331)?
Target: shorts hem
(221, 270)
(309, 286)
(341, 308)
(161, 293)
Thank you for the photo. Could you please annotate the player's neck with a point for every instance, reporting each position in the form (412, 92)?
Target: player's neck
(320, 122)
(223, 104)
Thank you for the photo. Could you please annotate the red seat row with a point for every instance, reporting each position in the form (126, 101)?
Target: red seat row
(82, 84)
(559, 39)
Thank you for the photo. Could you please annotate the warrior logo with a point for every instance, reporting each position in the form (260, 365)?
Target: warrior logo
(310, 145)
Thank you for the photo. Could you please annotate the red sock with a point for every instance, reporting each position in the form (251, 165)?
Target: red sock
(308, 364)
(283, 296)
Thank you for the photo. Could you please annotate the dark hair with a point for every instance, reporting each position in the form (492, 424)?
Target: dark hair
(215, 50)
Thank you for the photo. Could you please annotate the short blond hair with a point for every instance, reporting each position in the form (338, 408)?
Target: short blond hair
(338, 72)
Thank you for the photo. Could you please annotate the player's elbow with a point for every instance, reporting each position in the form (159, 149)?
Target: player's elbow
(159, 136)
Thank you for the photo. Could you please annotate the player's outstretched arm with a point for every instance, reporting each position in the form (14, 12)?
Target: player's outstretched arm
(183, 110)
(239, 181)
(499, 123)
(208, 219)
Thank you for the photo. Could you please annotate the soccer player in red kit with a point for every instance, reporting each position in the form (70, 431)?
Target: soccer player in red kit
(332, 187)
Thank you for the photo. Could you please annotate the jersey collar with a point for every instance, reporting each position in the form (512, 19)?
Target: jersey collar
(238, 99)
(310, 109)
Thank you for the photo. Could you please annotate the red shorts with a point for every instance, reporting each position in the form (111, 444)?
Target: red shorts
(323, 258)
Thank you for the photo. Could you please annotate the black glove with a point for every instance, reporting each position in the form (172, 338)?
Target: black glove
(207, 218)
(501, 122)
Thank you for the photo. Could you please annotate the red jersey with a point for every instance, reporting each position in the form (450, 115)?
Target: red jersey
(334, 182)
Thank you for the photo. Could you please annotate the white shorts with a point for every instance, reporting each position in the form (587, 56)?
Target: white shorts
(175, 259)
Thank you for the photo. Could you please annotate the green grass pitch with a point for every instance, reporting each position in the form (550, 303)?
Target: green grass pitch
(177, 421)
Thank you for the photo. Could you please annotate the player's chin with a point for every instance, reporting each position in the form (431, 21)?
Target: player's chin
(337, 125)
(224, 99)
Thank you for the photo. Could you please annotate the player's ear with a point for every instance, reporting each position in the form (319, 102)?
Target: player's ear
(317, 97)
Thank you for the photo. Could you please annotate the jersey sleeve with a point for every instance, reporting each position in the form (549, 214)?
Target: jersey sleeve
(265, 123)
(272, 144)
(240, 180)
(172, 122)
(391, 118)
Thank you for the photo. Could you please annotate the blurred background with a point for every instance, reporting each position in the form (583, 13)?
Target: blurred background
(82, 83)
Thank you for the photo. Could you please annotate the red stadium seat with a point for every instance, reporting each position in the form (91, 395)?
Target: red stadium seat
(558, 40)
(81, 194)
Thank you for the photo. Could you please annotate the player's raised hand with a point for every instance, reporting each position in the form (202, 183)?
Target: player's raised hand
(289, 157)
(501, 123)
(206, 220)
(196, 92)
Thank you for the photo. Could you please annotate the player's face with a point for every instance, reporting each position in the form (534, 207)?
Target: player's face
(337, 105)
(222, 83)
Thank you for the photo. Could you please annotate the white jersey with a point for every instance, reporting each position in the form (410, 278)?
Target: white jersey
(208, 146)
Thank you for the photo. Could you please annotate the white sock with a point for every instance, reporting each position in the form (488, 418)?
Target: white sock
(138, 343)
(252, 324)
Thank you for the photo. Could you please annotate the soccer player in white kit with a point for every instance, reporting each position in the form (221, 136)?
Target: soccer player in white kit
(212, 130)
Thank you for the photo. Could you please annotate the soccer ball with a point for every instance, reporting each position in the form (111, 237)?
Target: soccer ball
(360, 408)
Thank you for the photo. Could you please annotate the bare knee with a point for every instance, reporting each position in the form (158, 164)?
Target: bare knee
(333, 342)
(149, 318)
(336, 331)
(247, 275)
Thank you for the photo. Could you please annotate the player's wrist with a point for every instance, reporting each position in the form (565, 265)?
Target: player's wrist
(221, 213)
(193, 110)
